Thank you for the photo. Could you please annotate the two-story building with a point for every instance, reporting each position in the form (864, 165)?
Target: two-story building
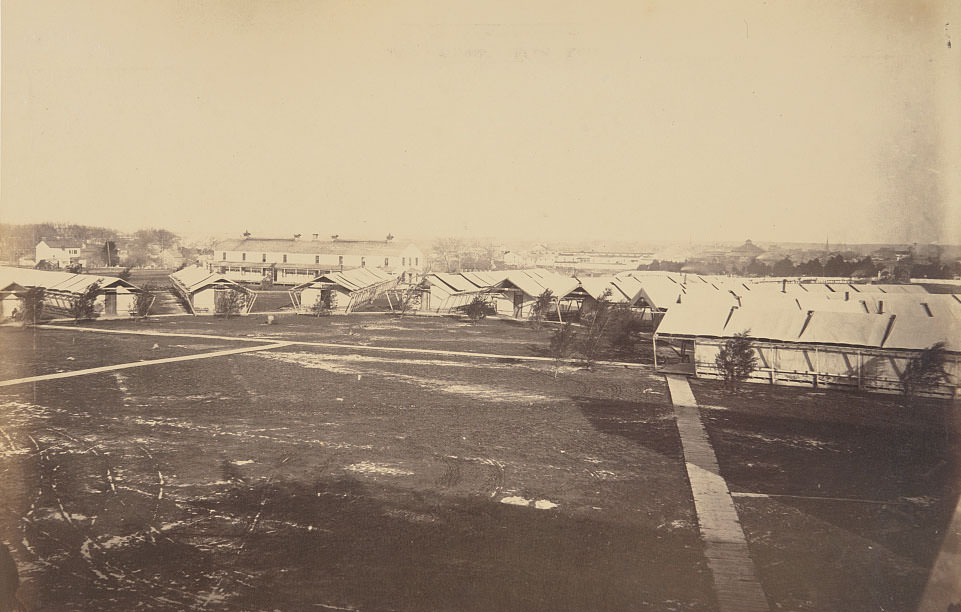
(61, 252)
(293, 261)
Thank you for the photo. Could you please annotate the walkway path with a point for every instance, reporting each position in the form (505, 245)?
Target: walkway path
(137, 364)
(728, 557)
(335, 345)
(944, 583)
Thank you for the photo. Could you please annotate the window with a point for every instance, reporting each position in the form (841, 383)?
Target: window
(340, 261)
(387, 262)
(263, 258)
(403, 262)
(417, 261)
(243, 257)
(317, 259)
(285, 257)
(363, 262)
(225, 255)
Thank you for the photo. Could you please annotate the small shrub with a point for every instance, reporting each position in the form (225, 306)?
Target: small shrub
(145, 300)
(541, 307)
(31, 306)
(736, 360)
(477, 309)
(925, 371)
(83, 307)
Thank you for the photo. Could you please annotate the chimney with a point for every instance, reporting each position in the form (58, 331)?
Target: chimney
(880, 306)
(783, 285)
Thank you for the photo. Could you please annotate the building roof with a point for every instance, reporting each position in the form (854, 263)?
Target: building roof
(62, 243)
(314, 247)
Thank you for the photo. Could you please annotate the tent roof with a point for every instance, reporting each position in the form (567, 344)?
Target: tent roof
(485, 278)
(61, 281)
(352, 280)
(695, 319)
(913, 332)
(456, 282)
(195, 278)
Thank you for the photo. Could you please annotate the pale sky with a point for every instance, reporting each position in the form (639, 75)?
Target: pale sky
(608, 120)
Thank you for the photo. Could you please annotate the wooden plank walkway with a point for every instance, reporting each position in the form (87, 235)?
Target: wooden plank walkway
(944, 584)
(726, 550)
(139, 364)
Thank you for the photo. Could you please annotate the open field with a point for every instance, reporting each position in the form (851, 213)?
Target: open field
(498, 336)
(302, 478)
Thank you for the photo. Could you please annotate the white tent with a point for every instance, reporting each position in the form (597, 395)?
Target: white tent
(114, 296)
(204, 291)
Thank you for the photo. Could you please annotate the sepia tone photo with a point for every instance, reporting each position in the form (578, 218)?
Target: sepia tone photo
(413, 306)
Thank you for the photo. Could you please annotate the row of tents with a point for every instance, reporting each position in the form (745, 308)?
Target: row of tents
(204, 292)
(862, 341)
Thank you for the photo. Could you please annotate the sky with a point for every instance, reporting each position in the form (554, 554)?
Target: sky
(546, 119)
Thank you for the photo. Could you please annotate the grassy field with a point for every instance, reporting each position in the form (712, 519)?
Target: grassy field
(301, 478)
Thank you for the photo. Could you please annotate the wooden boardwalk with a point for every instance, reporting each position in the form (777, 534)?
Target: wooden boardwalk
(140, 364)
(728, 557)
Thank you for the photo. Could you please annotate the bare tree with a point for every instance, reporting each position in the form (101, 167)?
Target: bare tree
(321, 306)
(595, 320)
(562, 343)
(230, 302)
(447, 251)
(404, 300)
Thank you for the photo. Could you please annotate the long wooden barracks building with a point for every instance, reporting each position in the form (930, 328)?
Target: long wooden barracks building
(293, 261)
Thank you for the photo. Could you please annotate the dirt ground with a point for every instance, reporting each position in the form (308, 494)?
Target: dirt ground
(301, 478)
(859, 489)
(295, 479)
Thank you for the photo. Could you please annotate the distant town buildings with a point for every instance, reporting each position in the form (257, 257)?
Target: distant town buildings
(602, 260)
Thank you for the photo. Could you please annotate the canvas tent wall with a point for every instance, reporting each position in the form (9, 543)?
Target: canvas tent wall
(204, 291)
(10, 298)
(114, 297)
(343, 291)
(519, 291)
(794, 346)
(444, 292)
